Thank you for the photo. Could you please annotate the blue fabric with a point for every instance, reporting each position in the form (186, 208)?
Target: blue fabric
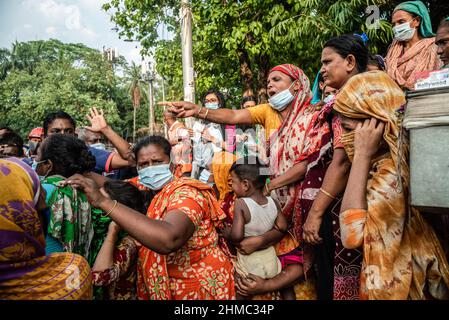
(316, 90)
(101, 159)
(51, 244)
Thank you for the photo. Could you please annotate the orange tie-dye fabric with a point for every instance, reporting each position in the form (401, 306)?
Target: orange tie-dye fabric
(402, 257)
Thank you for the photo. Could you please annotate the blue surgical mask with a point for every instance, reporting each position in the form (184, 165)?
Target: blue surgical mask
(212, 105)
(281, 100)
(34, 167)
(155, 177)
(99, 145)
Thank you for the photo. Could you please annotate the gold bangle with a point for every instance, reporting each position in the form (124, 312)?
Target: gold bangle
(110, 211)
(205, 116)
(327, 194)
(198, 113)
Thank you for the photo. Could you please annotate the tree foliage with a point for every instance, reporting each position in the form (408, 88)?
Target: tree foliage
(44, 76)
(237, 42)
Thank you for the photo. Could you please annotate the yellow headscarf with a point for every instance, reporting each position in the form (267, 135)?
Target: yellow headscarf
(221, 164)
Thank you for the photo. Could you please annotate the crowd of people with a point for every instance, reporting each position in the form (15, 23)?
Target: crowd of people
(304, 197)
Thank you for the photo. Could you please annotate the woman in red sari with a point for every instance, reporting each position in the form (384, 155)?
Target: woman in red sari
(180, 256)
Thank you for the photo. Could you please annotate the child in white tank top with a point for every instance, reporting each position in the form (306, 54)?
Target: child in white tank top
(254, 215)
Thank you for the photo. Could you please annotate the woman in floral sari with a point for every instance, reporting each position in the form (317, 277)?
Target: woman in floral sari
(25, 271)
(402, 257)
(180, 256)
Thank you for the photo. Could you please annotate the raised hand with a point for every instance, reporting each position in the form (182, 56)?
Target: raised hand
(368, 137)
(97, 120)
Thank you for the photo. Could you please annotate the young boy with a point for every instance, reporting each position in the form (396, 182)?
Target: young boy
(254, 215)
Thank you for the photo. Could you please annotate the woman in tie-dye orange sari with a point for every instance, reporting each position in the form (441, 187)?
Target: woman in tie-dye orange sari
(26, 273)
(402, 257)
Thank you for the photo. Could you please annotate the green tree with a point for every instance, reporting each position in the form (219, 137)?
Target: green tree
(237, 42)
(53, 76)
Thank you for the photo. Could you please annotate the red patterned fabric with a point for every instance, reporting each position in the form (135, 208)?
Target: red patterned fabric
(199, 269)
(286, 144)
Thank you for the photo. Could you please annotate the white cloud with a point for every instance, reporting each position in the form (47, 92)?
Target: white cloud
(51, 31)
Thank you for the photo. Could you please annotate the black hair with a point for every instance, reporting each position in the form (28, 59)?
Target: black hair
(52, 116)
(376, 60)
(68, 154)
(443, 24)
(154, 140)
(248, 98)
(249, 168)
(13, 139)
(3, 127)
(220, 97)
(348, 44)
(127, 194)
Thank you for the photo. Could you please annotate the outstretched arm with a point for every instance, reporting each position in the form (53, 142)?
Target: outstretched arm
(185, 109)
(292, 175)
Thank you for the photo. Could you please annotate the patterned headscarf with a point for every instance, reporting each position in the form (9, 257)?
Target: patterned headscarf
(287, 142)
(374, 94)
(21, 234)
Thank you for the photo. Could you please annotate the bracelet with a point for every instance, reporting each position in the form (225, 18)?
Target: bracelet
(198, 113)
(327, 194)
(110, 211)
(205, 116)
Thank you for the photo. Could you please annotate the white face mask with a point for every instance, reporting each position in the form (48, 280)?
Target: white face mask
(404, 32)
(212, 105)
(328, 98)
(99, 145)
(281, 99)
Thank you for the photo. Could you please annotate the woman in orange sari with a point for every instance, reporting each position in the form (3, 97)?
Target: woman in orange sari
(402, 257)
(180, 256)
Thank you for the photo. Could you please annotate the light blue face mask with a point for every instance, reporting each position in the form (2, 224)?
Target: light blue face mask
(155, 177)
(34, 167)
(328, 98)
(281, 100)
(99, 145)
(212, 105)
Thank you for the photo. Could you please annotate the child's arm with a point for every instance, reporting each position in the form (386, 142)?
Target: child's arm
(281, 223)
(241, 217)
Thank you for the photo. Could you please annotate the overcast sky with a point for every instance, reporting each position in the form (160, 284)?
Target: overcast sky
(76, 21)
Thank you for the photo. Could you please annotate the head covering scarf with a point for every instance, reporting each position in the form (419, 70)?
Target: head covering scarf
(287, 142)
(25, 271)
(316, 92)
(420, 9)
(221, 164)
(402, 257)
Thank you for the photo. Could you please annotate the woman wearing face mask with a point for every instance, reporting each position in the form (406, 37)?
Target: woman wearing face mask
(402, 257)
(208, 137)
(180, 257)
(413, 49)
(70, 224)
(285, 120)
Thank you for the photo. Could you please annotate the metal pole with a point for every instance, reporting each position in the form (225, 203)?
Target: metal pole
(163, 99)
(187, 56)
(151, 107)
